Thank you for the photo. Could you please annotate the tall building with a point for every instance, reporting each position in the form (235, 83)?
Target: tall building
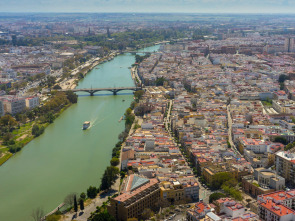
(285, 166)
(290, 44)
(13, 105)
(137, 193)
(32, 102)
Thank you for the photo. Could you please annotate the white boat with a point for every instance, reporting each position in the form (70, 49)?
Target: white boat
(86, 125)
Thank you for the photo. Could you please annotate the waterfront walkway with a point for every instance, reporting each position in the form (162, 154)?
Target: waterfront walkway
(98, 201)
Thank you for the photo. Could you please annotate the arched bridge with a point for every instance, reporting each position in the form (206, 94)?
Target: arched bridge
(115, 90)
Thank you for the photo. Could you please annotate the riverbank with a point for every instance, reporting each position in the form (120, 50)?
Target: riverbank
(72, 83)
(24, 134)
(102, 198)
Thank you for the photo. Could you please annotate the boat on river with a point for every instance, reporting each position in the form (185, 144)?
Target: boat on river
(86, 125)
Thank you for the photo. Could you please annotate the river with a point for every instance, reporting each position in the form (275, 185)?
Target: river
(65, 158)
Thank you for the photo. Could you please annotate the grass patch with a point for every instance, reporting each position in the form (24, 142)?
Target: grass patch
(267, 103)
(22, 130)
(5, 157)
(256, 184)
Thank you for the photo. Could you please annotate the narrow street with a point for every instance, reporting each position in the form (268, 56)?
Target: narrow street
(167, 118)
(230, 138)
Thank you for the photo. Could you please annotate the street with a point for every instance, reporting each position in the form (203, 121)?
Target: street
(230, 139)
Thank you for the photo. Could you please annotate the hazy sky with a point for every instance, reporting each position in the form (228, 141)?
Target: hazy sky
(206, 6)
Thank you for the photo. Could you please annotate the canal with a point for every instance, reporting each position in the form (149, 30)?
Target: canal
(65, 158)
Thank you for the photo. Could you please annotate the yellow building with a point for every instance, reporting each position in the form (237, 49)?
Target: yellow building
(172, 191)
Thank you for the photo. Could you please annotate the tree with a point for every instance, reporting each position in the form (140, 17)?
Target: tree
(7, 137)
(30, 115)
(289, 146)
(232, 192)
(109, 177)
(115, 161)
(122, 136)
(160, 81)
(221, 178)
(104, 216)
(138, 94)
(146, 213)
(72, 97)
(56, 87)
(49, 117)
(91, 192)
(38, 214)
(281, 139)
(216, 196)
(50, 81)
(283, 77)
(8, 120)
(69, 199)
(37, 131)
(75, 204)
(162, 203)
(83, 196)
(81, 204)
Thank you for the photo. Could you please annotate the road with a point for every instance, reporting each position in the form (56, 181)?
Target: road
(204, 192)
(98, 201)
(230, 138)
(167, 118)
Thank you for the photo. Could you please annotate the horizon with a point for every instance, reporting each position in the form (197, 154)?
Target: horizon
(138, 12)
(150, 6)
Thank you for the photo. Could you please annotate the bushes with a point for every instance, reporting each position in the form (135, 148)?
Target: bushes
(221, 178)
(116, 150)
(236, 194)
(83, 196)
(281, 140)
(109, 177)
(91, 192)
(15, 148)
(37, 131)
(72, 97)
(129, 117)
(115, 161)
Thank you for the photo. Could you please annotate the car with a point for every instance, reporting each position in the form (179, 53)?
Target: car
(188, 206)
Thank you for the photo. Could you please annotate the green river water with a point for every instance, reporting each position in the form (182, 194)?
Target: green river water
(65, 158)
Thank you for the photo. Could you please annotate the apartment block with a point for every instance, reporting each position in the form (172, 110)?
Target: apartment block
(137, 193)
(32, 102)
(263, 181)
(285, 166)
(277, 206)
(13, 105)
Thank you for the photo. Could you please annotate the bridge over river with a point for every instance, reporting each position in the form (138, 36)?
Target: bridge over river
(115, 90)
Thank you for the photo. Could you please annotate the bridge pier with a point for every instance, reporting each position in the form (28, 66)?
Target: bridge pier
(114, 92)
(91, 93)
